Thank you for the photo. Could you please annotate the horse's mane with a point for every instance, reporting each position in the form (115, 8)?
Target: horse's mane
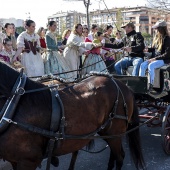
(11, 75)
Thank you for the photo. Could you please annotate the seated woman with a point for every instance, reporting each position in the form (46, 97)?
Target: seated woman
(161, 46)
(94, 56)
(7, 52)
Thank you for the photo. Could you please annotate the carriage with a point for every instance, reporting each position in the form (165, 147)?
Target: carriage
(153, 105)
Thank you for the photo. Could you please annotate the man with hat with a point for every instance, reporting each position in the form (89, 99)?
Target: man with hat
(133, 46)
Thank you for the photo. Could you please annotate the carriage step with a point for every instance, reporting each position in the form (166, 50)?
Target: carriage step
(157, 95)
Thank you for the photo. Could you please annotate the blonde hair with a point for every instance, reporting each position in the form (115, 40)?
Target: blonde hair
(40, 30)
(75, 27)
(65, 33)
(158, 39)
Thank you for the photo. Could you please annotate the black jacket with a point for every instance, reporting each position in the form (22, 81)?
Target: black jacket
(132, 39)
(165, 51)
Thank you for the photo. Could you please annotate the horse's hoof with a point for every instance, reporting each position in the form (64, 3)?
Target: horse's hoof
(55, 161)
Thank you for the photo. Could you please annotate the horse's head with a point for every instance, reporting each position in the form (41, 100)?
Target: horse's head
(8, 77)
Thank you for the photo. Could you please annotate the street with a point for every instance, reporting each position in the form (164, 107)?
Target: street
(154, 155)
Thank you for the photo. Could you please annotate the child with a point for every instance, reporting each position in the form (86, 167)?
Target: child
(94, 57)
(7, 54)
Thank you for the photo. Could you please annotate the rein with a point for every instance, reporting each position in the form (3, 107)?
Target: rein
(65, 72)
(58, 136)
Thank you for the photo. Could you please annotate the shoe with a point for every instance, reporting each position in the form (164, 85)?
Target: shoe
(150, 87)
(55, 161)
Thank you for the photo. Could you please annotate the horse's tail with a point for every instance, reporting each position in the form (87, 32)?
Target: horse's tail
(134, 140)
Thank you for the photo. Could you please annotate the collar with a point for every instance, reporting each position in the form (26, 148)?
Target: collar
(131, 33)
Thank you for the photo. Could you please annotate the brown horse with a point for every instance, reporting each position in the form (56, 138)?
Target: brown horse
(87, 107)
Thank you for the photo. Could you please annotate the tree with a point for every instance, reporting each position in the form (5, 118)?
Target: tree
(119, 19)
(20, 29)
(87, 4)
(162, 5)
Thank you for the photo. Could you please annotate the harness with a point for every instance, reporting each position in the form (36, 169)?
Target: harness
(58, 122)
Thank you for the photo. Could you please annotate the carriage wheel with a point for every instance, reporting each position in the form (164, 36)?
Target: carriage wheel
(166, 131)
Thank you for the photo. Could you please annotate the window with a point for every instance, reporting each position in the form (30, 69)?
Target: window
(144, 19)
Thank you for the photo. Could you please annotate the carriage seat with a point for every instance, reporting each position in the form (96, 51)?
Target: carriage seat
(129, 70)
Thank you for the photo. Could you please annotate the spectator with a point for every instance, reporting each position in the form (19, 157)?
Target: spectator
(94, 59)
(76, 47)
(41, 33)
(28, 44)
(94, 29)
(53, 61)
(7, 52)
(65, 36)
(133, 44)
(2, 37)
(109, 58)
(14, 33)
(9, 34)
(85, 32)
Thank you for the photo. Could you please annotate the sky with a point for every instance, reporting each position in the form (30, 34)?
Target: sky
(39, 10)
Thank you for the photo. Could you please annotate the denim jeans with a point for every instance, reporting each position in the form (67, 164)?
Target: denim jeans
(143, 68)
(125, 62)
(151, 68)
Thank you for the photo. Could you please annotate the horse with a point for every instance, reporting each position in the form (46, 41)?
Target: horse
(88, 106)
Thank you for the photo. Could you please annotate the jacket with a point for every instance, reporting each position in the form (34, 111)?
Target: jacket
(165, 51)
(134, 40)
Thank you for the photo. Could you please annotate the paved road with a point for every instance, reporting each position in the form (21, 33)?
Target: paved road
(154, 155)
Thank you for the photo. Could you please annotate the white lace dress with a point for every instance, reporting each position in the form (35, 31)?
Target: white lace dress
(33, 63)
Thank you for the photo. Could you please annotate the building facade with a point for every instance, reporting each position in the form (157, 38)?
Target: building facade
(66, 20)
(16, 22)
(143, 17)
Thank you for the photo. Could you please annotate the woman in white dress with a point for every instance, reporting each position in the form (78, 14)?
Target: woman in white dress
(75, 48)
(29, 45)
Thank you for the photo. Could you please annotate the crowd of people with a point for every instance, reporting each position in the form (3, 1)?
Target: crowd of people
(84, 49)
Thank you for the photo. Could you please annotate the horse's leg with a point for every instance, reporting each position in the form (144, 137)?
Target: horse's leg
(116, 153)
(73, 160)
(111, 161)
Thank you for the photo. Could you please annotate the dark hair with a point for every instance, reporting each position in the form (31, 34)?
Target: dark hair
(50, 23)
(99, 33)
(29, 22)
(6, 25)
(108, 27)
(118, 32)
(86, 29)
(6, 40)
(93, 26)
